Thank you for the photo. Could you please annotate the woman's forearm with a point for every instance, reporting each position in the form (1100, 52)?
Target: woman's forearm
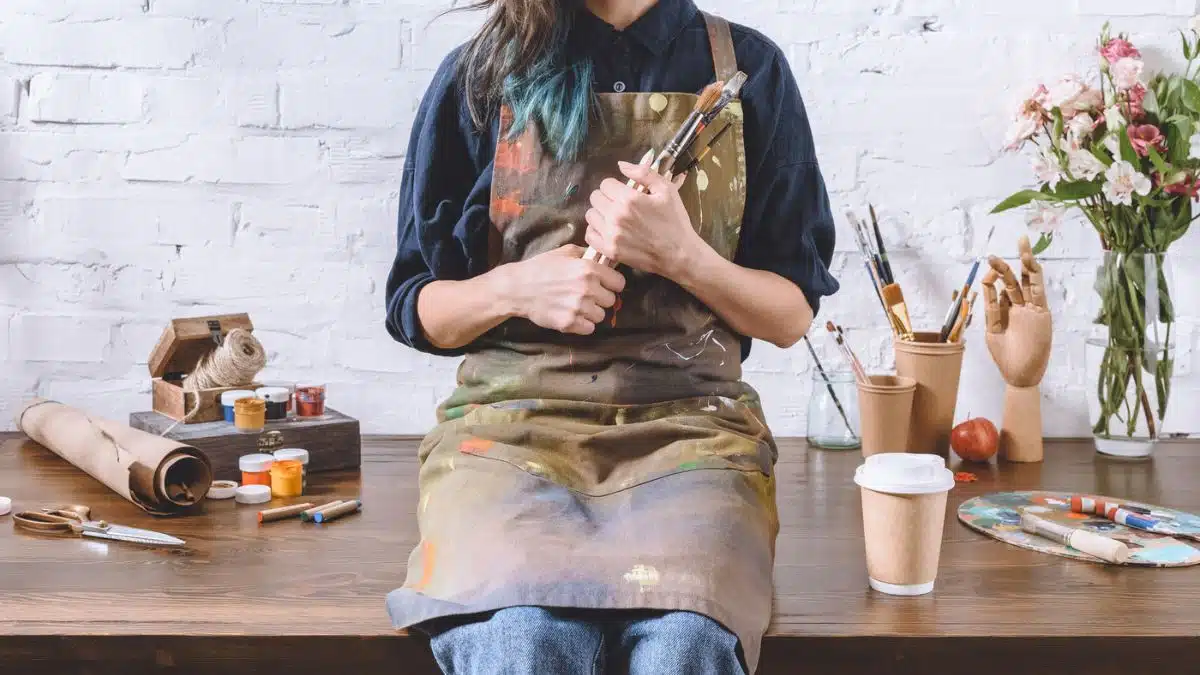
(455, 313)
(755, 303)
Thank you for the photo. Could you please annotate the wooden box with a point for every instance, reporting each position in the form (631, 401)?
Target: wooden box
(183, 343)
(333, 441)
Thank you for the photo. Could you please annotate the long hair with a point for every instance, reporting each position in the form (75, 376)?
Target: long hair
(519, 58)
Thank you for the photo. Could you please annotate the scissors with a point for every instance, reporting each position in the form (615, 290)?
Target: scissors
(76, 520)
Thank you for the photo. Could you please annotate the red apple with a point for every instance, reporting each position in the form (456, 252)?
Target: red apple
(975, 440)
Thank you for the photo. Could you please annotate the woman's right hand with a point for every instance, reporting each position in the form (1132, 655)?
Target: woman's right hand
(561, 291)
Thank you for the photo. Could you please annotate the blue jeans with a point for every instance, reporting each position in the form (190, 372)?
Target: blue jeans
(540, 641)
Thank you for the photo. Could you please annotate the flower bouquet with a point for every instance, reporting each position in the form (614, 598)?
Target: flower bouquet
(1126, 154)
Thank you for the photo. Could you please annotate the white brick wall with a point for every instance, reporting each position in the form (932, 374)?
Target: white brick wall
(164, 158)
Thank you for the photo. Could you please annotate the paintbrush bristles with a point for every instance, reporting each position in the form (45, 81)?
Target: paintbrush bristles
(709, 96)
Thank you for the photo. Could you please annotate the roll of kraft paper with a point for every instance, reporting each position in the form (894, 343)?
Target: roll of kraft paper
(1104, 548)
(162, 476)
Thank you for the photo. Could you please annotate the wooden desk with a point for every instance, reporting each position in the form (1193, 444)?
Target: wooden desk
(244, 597)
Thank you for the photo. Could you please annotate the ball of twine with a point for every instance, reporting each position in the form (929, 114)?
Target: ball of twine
(236, 363)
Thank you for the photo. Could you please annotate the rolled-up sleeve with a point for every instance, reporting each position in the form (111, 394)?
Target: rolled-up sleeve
(443, 216)
(787, 226)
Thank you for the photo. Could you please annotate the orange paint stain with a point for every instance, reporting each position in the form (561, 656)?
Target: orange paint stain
(475, 446)
(1077, 516)
(427, 555)
(616, 308)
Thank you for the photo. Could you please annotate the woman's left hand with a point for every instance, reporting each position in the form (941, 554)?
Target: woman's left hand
(648, 232)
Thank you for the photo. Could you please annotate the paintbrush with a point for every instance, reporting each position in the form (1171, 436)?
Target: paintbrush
(890, 291)
(829, 386)
(956, 306)
(894, 298)
(885, 264)
(896, 319)
(964, 318)
(705, 152)
(860, 373)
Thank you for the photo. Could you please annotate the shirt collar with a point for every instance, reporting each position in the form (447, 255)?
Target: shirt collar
(655, 30)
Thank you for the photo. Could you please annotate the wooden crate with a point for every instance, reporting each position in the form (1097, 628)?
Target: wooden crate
(333, 441)
(183, 343)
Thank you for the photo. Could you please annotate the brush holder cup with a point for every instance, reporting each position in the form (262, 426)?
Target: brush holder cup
(885, 408)
(936, 367)
(833, 412)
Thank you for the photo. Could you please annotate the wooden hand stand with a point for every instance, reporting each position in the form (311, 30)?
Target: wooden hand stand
(1019, 337)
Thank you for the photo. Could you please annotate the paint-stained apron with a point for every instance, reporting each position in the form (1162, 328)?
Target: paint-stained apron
(629, 469)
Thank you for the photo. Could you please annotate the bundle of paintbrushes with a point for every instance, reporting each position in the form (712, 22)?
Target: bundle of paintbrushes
(891, 297)
(712, 100)
(958, 317)
(860, 373)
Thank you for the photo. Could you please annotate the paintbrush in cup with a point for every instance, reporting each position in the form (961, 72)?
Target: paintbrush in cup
(829, 385)
(860, 373)
(956, 306)
(964, 318)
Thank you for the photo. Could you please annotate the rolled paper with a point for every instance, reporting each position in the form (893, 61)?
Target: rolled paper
(283, 512)
(308, 515)
(343, 509)
(1104, 548)
(160, 475)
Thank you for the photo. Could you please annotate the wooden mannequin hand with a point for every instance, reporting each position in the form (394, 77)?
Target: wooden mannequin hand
(651, 232)
(1019, 326)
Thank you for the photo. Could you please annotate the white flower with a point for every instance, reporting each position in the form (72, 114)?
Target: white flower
(1194, 24)
(1113, 118)
(1123, 181)
(1195, 153)
(1045, 217)
(1079, 129)
(1065, 91)
(1022, 130)
(1084, 165)
(1048, 168)
(1127, 72)
(1112, 143)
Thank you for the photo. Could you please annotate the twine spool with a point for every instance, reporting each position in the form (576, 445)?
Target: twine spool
(235, 363)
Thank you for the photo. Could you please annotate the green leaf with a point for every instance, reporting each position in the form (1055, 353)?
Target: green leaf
(1043, 243)
(1187, 49)
(1058, 127)
(1080, 189)
(1127, 152)
(1191, 95)
(1150, 104)
(1021, 199)
(1101, 155)
(1159, 165)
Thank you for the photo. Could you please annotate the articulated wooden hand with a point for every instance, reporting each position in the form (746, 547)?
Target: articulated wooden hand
(1019, 337)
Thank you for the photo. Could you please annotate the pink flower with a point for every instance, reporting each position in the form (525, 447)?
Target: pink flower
(1034, 106)
(1189, 186)
(1089, 100)
(1118, 49)
(1137, 100)
(1146, 136)
(1127, 73)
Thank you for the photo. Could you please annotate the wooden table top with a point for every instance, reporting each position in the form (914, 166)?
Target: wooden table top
(242, 593)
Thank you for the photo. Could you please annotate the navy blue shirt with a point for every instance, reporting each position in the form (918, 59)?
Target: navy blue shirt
(787, 226)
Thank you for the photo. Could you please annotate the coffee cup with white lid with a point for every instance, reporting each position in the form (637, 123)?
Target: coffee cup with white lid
(904, 512)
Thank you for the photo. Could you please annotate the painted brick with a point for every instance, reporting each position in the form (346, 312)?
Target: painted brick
(83, 98)
(144, 43)
(72, 339)
(335, 103)
(250, 160)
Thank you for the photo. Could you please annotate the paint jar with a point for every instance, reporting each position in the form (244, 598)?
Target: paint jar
(256, 469)
(277, 399)
(291, 388)
(296, 454)
(229, 398)
(250, 414)
(310, 400)
(287, 478)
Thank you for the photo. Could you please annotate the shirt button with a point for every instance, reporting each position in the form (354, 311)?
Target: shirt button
(619, 87)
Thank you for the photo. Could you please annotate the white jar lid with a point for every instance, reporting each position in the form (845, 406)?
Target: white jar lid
(905, 474)
(299, 454)
(275, 394)
(5, 505)
(229, 397)
(222, 489)
(253, 494)
(255, 463)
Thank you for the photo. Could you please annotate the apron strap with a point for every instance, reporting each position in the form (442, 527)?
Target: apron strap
(724, 59)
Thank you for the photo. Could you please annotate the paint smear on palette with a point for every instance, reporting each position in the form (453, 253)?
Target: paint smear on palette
(642, 575)
(658, 102)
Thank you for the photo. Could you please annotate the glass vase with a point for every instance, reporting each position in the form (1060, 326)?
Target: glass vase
(1130, 354)
(833, 411)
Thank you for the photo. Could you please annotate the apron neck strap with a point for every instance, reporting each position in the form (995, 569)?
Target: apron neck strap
(724, 59)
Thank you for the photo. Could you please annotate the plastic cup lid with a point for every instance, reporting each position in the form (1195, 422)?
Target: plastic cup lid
(256, 463)
(274, 394)
(254, 494)
(298, 454)
(229, 397)
(905, 474)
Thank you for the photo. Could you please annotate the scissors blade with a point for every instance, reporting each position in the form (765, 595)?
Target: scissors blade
(134, 535)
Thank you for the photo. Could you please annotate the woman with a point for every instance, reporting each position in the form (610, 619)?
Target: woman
(598, 494)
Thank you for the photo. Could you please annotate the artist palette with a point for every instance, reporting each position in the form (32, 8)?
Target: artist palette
(998, 516)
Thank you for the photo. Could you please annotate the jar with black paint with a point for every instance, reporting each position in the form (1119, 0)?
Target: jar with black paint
(277, 401)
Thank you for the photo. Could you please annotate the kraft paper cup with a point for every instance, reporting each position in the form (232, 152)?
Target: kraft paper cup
(885, 408)
(904, 510)
(936, 367)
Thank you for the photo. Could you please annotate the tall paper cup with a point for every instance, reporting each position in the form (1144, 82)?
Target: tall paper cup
(904, 509)
(885, 407)
(936, 366)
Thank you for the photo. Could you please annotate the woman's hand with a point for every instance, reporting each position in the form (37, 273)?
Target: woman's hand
(649, 232)
(561, 291)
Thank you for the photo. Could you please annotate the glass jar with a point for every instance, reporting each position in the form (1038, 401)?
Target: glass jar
(833, 411)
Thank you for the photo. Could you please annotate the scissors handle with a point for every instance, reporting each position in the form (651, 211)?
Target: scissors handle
(45, 521)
